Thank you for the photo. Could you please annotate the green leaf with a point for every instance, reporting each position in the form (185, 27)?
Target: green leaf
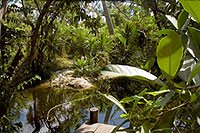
(149, 64)
(145, 128)
(165, 122)
(194, 97)
(127, 99)
(115, 101)
(155, 93)
(164, 100)
(184, 40)
(182, 18)
(131, 99)
(194, 46)
(112, 71)
(180, 85)
(124, 116)
(169, 53)
(121, 38)
(194, 72)
(192, 7)
(138, 97)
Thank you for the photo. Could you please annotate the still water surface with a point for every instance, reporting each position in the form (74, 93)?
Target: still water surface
(30, 110)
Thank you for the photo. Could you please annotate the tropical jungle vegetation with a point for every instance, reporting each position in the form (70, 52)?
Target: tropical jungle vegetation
(148, 51)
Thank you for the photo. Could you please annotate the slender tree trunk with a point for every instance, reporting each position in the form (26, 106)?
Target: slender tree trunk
(108, 19)
(3, 101)
(35, 32)
(2, 39)
(28, 63)
(3, 11)
(4, 58)
(19, 55)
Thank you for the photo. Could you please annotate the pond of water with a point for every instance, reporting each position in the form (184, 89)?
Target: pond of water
(47, 109)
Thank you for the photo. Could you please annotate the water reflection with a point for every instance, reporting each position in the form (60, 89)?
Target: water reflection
(34, 105)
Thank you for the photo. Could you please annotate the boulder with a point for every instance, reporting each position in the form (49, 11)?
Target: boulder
(65, 79)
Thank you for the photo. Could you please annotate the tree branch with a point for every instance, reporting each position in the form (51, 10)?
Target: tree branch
(37, 5)
(25, 14)
(193, 87)
(120, 10)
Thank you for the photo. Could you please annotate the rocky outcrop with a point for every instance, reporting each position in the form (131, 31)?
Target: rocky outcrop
(65, 79)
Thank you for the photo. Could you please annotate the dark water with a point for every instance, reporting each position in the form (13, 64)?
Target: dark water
(31, 108)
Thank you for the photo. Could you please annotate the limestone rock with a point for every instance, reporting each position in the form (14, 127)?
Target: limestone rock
(65, 79)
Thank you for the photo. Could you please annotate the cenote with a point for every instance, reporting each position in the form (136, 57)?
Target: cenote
(50, 109)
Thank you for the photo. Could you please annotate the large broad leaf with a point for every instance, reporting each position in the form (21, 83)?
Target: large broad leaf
(112, 71)
(192, 7)
(170, 52)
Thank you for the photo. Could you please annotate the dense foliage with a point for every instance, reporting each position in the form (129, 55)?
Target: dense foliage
(40, 37)
(173, 104)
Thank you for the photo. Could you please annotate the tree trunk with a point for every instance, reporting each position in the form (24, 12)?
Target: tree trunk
(35, 32)
(4, 58)
(2, 39)
(19, 55)
(3, 11)
(108, 20)
(28, 63)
